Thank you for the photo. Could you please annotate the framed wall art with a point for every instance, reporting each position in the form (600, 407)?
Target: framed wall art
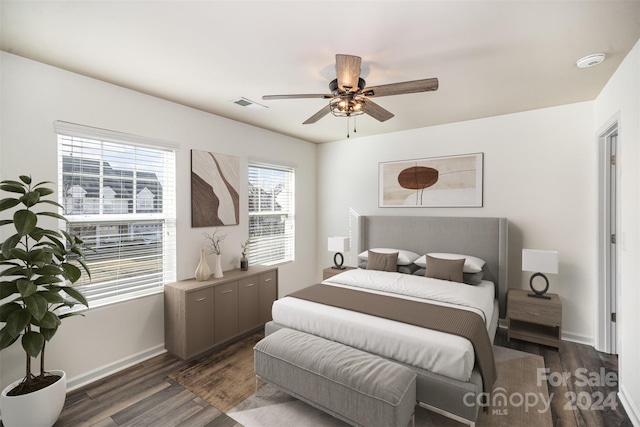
(453, 181)
(215, 184)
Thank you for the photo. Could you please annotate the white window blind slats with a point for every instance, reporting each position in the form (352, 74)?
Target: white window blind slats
(119, 198)
(271, 214)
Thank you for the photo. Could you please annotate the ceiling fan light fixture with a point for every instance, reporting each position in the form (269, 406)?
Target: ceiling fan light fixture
(346, 106)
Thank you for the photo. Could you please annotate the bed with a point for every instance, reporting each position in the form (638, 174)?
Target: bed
(449, 378)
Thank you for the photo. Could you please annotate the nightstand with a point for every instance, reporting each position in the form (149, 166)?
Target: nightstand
(533, 319)
(330, 272)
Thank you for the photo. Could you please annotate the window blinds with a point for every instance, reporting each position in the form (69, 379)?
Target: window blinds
(271, 214)
(118, 193)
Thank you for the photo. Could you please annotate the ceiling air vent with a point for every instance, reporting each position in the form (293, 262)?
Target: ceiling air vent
(244, 102)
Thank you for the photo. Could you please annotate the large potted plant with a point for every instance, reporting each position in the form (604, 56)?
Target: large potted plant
(39, 266)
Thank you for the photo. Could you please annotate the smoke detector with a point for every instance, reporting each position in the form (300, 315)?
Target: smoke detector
(590, 60)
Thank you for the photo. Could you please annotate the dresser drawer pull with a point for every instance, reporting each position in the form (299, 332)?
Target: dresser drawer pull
(201, 299)
(533, 314)
(227, 291)
(268, 280)
(249, 285)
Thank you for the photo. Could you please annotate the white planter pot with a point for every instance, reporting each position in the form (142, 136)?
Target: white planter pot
(38, 409)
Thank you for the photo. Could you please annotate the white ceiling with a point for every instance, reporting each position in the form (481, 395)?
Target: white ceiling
(491, 57)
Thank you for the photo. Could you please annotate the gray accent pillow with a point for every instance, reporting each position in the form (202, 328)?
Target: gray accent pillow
(445, 269)
(473, 278)
(382, 262)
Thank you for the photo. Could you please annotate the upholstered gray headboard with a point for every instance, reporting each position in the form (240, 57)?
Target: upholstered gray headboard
(484, 238)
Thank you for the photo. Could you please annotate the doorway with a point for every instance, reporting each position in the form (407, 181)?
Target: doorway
(608, 241)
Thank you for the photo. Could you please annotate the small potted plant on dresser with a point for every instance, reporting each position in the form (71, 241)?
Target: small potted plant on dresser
(35, 283)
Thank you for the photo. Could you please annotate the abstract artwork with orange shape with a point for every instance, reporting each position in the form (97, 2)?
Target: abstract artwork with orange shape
(453, 181)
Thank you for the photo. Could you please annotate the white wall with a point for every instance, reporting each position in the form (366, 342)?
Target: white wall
(539, 172)
(35, 95)
(621, 98)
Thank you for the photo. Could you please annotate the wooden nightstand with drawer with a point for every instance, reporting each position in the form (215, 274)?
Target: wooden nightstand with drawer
(330, 272)
(533, 319)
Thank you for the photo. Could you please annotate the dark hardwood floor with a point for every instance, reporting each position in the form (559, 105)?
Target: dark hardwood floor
(144, 395)
(589, 396)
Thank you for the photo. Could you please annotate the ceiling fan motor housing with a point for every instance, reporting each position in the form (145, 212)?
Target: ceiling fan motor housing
(333, 86)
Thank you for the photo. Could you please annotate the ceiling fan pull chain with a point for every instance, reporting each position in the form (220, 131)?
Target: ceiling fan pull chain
(354, 124)
(347, 126)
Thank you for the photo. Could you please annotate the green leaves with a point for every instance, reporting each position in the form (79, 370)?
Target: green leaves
(8, 203)
(37, 305)
(25, 221)
(35, 264)
(32, 343)
(75, 295)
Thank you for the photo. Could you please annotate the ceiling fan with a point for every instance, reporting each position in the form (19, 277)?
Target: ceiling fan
(351, 97)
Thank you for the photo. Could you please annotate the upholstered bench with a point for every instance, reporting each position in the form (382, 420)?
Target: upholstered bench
(357, 387)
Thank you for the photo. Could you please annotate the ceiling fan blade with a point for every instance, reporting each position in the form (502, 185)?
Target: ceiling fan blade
(303, 95)
(376, 111)
(317, 116)
(424, 85)
(348, 72)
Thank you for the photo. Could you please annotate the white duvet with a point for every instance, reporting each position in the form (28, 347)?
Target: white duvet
(438, 352)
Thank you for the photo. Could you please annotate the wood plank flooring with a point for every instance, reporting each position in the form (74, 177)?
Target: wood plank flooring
(144, 395)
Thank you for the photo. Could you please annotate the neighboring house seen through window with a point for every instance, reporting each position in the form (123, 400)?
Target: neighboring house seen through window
(271, 214)
(118, 193)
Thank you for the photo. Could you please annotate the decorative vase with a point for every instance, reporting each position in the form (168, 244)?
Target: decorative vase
(39, 408)
(203, 271)
(217, 273)
(244, 263)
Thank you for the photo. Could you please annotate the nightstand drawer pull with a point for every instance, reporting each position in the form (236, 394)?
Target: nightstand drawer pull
(268, 280)
(201, 299)
(533, 314)
(249, 285)
(228, 291)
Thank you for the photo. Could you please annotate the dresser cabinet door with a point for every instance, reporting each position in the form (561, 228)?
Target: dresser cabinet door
(226, 311)
(249, 304)
(268, 294)
(199, 321)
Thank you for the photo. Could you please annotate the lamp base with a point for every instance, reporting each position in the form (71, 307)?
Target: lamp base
(539, 296)
(539, 293)
(338, 265)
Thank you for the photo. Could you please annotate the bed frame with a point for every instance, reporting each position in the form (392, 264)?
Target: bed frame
(484, 238)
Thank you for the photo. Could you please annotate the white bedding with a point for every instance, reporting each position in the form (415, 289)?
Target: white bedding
(438, 352)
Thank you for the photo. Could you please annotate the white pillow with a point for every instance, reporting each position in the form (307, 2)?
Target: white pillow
(404, 257)
(471, 264)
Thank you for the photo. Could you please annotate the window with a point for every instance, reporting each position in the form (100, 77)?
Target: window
(271, 214)
(118, 193)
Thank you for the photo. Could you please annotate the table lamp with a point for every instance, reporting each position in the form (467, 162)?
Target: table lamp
(338, 245)
(540, 262)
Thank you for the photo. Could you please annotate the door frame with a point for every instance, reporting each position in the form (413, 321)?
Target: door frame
(608, 218)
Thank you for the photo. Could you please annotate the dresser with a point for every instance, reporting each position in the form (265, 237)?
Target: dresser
(537, 320)
(199, 316)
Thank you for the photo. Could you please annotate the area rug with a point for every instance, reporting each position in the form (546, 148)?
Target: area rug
(226, 380)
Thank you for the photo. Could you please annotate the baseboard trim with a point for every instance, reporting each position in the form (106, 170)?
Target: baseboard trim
(629, 406)
(99, 373)
(580, 339)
